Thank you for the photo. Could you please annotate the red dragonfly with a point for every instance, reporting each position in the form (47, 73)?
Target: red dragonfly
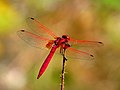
(65, 44)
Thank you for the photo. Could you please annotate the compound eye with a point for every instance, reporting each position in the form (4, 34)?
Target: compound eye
(64, 36)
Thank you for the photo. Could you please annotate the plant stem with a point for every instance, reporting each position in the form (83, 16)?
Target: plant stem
(63, 73)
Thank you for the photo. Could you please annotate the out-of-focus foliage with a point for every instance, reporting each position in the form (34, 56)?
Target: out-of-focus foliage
(8, 17)
(110, 4)
(81, 19)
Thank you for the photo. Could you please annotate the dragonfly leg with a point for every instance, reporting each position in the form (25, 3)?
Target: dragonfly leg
(62, 52)
(64, 57)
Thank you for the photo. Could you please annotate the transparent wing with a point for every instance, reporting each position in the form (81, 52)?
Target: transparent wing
(39, 28)
(85, 45)
(33, 39)
(77, 54)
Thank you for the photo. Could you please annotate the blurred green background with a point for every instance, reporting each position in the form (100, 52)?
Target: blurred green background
(81, 19)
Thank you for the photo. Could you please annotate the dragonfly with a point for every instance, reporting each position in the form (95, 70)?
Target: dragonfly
(64, 44)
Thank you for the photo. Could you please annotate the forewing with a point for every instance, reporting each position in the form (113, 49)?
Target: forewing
(33, 39)
(39, 28)
(85, 45)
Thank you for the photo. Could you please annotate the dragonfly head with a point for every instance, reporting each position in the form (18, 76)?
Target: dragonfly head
(66, 37)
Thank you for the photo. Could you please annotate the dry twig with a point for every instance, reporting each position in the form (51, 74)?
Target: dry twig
(63, 73)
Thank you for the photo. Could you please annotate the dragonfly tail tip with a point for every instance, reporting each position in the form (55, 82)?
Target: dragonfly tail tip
(38, 77)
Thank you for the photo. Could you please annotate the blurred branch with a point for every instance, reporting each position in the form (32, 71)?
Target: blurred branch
(63, 73)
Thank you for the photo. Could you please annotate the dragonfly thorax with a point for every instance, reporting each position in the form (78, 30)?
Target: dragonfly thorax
(62, 42)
